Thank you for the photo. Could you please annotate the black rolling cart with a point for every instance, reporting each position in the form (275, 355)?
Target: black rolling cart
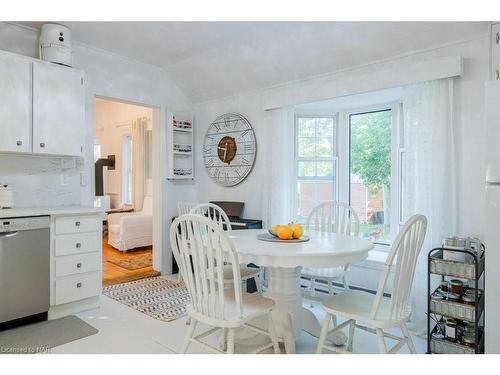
(449, 312)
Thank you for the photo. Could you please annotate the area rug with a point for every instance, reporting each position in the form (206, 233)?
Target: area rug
(157, 297)
(40, 337)
(134, 262)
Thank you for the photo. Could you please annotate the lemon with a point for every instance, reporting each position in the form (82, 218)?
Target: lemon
(298, 230)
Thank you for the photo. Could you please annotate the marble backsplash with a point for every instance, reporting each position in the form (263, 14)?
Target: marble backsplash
(39, 181)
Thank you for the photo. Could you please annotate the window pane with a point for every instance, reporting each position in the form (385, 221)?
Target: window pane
(324, 147)
(306, 169)
(370, 155)
(324, 169)
(306, 127)
(311, 194)
(402, 185)
(127, 170)
(307, 147)
(97, 151)
(324, 127)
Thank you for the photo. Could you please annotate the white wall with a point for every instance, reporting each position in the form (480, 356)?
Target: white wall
(469, 107)
(114, 76)
(250, 190)
(36, 180)
(113, 121)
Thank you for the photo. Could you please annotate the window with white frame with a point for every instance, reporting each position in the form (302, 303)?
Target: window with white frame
(370, 172)
(355, 157)
(127, 169)
(97, 149)
(315, 162)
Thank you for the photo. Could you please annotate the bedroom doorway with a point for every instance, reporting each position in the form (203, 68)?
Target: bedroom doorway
(123, 159)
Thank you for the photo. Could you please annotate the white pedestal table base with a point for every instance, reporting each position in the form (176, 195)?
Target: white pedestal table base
(290, 317)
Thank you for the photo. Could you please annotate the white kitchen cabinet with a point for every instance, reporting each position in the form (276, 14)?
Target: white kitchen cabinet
(76, 263)
(15, 113)
(495, 51)
(58, 110)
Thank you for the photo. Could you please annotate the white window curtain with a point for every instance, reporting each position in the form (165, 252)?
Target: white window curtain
(139, 128)
(430, 170)
(280, 153)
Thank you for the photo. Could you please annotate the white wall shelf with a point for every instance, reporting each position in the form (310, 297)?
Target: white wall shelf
(176, 129)
(183, 153)
(180, 146)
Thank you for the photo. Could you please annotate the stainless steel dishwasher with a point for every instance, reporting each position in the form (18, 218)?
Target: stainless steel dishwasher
(24, 269)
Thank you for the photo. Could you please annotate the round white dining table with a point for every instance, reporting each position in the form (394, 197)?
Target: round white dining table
(284, 261)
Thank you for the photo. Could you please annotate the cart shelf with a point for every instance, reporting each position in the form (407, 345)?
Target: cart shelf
(472, 269)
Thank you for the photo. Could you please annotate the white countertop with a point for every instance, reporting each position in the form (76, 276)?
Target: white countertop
(40, 211)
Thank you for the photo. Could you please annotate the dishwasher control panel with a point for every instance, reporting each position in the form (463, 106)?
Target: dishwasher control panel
(23, 223)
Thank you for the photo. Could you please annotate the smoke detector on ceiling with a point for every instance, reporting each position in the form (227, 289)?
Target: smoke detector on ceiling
(55, 44)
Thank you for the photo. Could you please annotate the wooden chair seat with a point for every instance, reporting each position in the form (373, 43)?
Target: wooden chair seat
(245, 272)
(357, 305)
(254, 306)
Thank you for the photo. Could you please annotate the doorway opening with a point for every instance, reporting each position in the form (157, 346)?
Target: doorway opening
(123, 149)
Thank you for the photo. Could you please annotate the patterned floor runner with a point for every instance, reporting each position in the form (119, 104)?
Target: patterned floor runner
(157, 297)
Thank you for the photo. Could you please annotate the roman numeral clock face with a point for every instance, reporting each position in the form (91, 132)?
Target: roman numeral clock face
(229, 149)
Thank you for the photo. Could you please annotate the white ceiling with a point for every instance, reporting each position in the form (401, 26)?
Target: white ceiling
(211, 60)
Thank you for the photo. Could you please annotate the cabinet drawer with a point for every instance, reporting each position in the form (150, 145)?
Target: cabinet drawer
(77, 264)
(78, 287)
(78, 224)
(69, 244)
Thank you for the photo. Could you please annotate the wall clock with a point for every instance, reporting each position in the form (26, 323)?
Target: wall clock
(229, 149)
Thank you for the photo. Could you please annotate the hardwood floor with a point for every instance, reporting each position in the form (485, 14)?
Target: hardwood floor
(114, 274)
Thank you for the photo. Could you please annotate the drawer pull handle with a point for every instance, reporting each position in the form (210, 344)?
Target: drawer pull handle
(77, 223)
(42, 145)
(78, 285)
(19, 143)
(78, 245)
(78, 265)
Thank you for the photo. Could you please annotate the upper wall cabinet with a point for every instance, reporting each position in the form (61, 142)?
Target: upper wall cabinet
(495, 51)
(58, 110)
(42, 107)
(15, 109)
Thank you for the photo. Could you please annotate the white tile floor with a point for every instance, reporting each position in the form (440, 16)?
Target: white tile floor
(125, 330)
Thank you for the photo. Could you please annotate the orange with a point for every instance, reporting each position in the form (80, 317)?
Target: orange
(284, 232)
(275, 227)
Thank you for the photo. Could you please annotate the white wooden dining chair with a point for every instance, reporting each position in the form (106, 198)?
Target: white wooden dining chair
(334, 217)
(217, 215)
(183, 208)
(377, 312)
(201, 248)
